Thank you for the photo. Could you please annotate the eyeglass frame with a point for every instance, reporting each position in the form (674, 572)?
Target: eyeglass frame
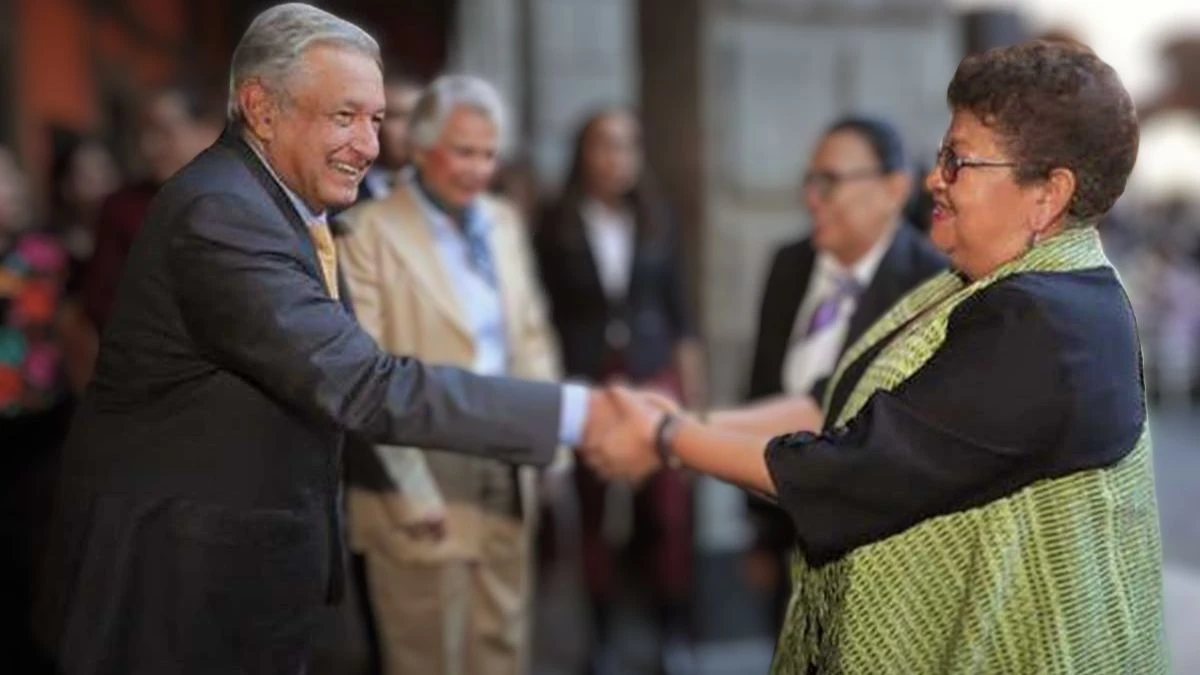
(832, 179)
(949, 164)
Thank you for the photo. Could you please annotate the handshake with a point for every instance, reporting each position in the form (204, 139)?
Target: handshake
(621, 439)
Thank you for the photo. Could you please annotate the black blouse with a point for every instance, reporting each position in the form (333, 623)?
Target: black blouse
(1039, 376)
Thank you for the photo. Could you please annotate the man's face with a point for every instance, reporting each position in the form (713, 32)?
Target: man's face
(321, 132)
(393, 135)
(460, 165)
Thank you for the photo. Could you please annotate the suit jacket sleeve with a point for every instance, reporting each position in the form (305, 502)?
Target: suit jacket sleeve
(252, 305)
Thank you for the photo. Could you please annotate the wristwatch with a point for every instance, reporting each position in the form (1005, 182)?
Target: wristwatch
(664, 439)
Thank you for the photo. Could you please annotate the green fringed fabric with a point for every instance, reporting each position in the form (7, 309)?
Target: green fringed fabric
(1062, 577)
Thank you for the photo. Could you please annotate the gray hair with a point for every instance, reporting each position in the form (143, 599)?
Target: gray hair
(279, 37)
(447, 93)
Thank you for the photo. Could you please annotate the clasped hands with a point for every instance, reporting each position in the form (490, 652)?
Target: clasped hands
(619, 440)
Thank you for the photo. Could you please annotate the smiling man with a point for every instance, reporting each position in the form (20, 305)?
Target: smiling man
(197, 528)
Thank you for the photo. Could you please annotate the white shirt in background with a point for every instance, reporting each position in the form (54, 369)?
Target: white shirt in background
(808, 360)
(610, 234)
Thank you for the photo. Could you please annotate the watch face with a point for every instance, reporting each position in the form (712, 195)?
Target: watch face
(669, 429)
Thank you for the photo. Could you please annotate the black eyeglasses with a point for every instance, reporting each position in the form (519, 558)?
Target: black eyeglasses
(950, 163)
(825, 182)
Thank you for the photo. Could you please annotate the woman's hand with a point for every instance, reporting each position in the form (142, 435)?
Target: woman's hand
(627, 451)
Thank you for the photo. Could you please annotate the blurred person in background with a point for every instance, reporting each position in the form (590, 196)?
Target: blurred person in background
(439, 270)
(517, 182)
(83, 173)
(1173, 315)
(978, 493)
(175, 124)
(35, 401)
(610, 261)
(825, 290)
(401, 92)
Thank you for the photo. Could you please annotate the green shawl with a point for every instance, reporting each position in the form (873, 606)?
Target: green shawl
(1064, 576)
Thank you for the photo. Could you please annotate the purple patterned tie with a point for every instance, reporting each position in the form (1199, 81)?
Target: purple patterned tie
(827, 311)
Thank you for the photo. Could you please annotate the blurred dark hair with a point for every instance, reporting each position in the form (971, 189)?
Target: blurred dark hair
(1055, 105)
(648, 204)
(881, 135)
(65, 144)
(397, 76)
(200, 105)
(520, 167)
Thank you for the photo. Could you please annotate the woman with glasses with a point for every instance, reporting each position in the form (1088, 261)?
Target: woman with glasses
(826, 289)
(978, 496)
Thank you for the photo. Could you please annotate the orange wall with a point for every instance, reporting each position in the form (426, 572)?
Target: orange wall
(53, 82)
(60, 50)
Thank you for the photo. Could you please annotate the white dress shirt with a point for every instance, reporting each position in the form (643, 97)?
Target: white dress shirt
(810, 359)
(610, 234)
(480, 299)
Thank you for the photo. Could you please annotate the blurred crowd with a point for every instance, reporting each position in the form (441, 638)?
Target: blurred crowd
(603, 297)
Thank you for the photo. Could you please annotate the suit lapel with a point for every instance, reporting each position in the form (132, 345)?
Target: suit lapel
(232, 138)
(793, 294)
(507, 273)
(577, 239)
(885, 288)
(412, 240)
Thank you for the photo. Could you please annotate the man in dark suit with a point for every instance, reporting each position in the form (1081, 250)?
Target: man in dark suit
(825, 290)
(197, 527)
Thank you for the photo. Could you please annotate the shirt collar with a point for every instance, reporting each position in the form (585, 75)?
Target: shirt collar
(863, 271)
(306, 213)
(474, 222)
(594, 210)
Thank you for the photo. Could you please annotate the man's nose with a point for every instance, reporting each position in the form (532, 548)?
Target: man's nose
(366, 140)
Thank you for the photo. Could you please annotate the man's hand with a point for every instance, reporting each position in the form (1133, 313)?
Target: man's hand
(601, 418)
(627, 450)
(659, 401)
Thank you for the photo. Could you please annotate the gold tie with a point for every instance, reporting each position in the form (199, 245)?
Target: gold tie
(327, 254)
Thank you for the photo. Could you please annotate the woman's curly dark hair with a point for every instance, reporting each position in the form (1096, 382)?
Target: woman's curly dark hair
(1055, 105)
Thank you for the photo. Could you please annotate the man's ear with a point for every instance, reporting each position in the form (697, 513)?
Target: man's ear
(260, 109)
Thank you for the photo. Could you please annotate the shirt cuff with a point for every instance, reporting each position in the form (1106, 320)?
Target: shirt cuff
(573, 415)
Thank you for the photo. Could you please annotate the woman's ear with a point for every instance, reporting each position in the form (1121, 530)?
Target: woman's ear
(1057, 191)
